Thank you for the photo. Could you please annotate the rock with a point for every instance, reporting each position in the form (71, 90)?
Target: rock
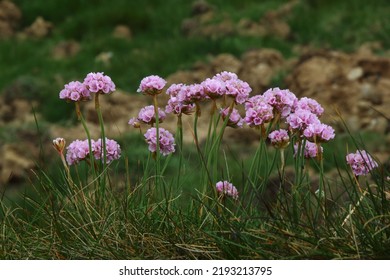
(66, 49)
(355, 73)
(200, 7)
(104, 58)
(39, 29)
(10, 16)
(122, 32)
(225, 62)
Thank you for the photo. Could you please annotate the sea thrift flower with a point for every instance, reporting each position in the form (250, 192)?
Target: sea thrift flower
(282, 100)
(238, 89)
(77, 151)
(235, 119)
(75, 91)
(166, 141)
(152, 85)
(279, 138)
(59, 144)
(214, 88)
(147, 116)
(301, 119)
(175, 106)
(258, 111)
(99, 83)
(113, 150)
(191, 93)
(174, 89)
(319, 132)
(225, 76)
(311, 105)
(311, 150)
(361, 162)
(226, 188)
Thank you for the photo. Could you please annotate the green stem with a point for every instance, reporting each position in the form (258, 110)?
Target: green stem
(155, 103)
(103, 138)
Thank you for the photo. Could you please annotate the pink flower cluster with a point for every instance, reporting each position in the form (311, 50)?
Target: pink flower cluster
(319, 132)
(282, 100)
(152, 85)
(78, 150)
(279, 138)
(258, 111)
(93, 83)
(166, 140)
(235, 119)
(99, 83)
(310, 150)
(226, 188)
(361, 162)
(75, 91)
(147, 116)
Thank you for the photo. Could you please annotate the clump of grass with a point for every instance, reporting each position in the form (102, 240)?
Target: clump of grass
(184, 205)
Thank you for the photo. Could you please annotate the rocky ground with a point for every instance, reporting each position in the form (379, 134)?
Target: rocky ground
(354, 86)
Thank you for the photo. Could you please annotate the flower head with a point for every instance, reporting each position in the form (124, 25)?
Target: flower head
(319, 132)
(152, 85)
(309, 104)
(226, 188)
(279, 138)
(235, 119)
(166, 140)
(113, 150)
(59, 144)
(99, 83)
(238, 89)
(177, 107)
(258, 111)
(311, 150)
(214, 88)
(301, 119)
(77, 151)
(75, 91)
(361, 162)
(282, 100)
(147, 116)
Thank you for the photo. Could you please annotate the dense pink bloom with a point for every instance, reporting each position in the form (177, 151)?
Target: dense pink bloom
(166, 141)
(279, 138)
(147, 116)
(226, 188)
(177, 107)
(258, 111)
(214, 88)
(309, 104)
(77, 151)
(225, 76)
(75, 91)
(174, 89)
(235, 119)
(238, 89)
(113, 150)
(282, 100)
(319, 132)
(152, 85)
(99, 83)
(361, 162)
(311, 150)
(301, 119)
(191, 93)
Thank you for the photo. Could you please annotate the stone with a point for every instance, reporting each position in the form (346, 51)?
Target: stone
(355, 73)
(122, 32)
(39, 29)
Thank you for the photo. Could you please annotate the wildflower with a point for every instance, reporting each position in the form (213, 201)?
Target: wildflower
(311, 150)
(309, 104)
(189, 94)
(238, 89)
(177, 107)
(166, 141)
(225, 76)
(258, 111)
(282, 100)
(59, 144)
(214, 88)
(174, 89)
(113, 150)
(301, 119)
(361, 162)
(226, 188)
(77, 151)
(319, 132)
(147, 116)
(75, 91)
(235, 119)
(99, 83)
(279, 138)
(152, 85)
